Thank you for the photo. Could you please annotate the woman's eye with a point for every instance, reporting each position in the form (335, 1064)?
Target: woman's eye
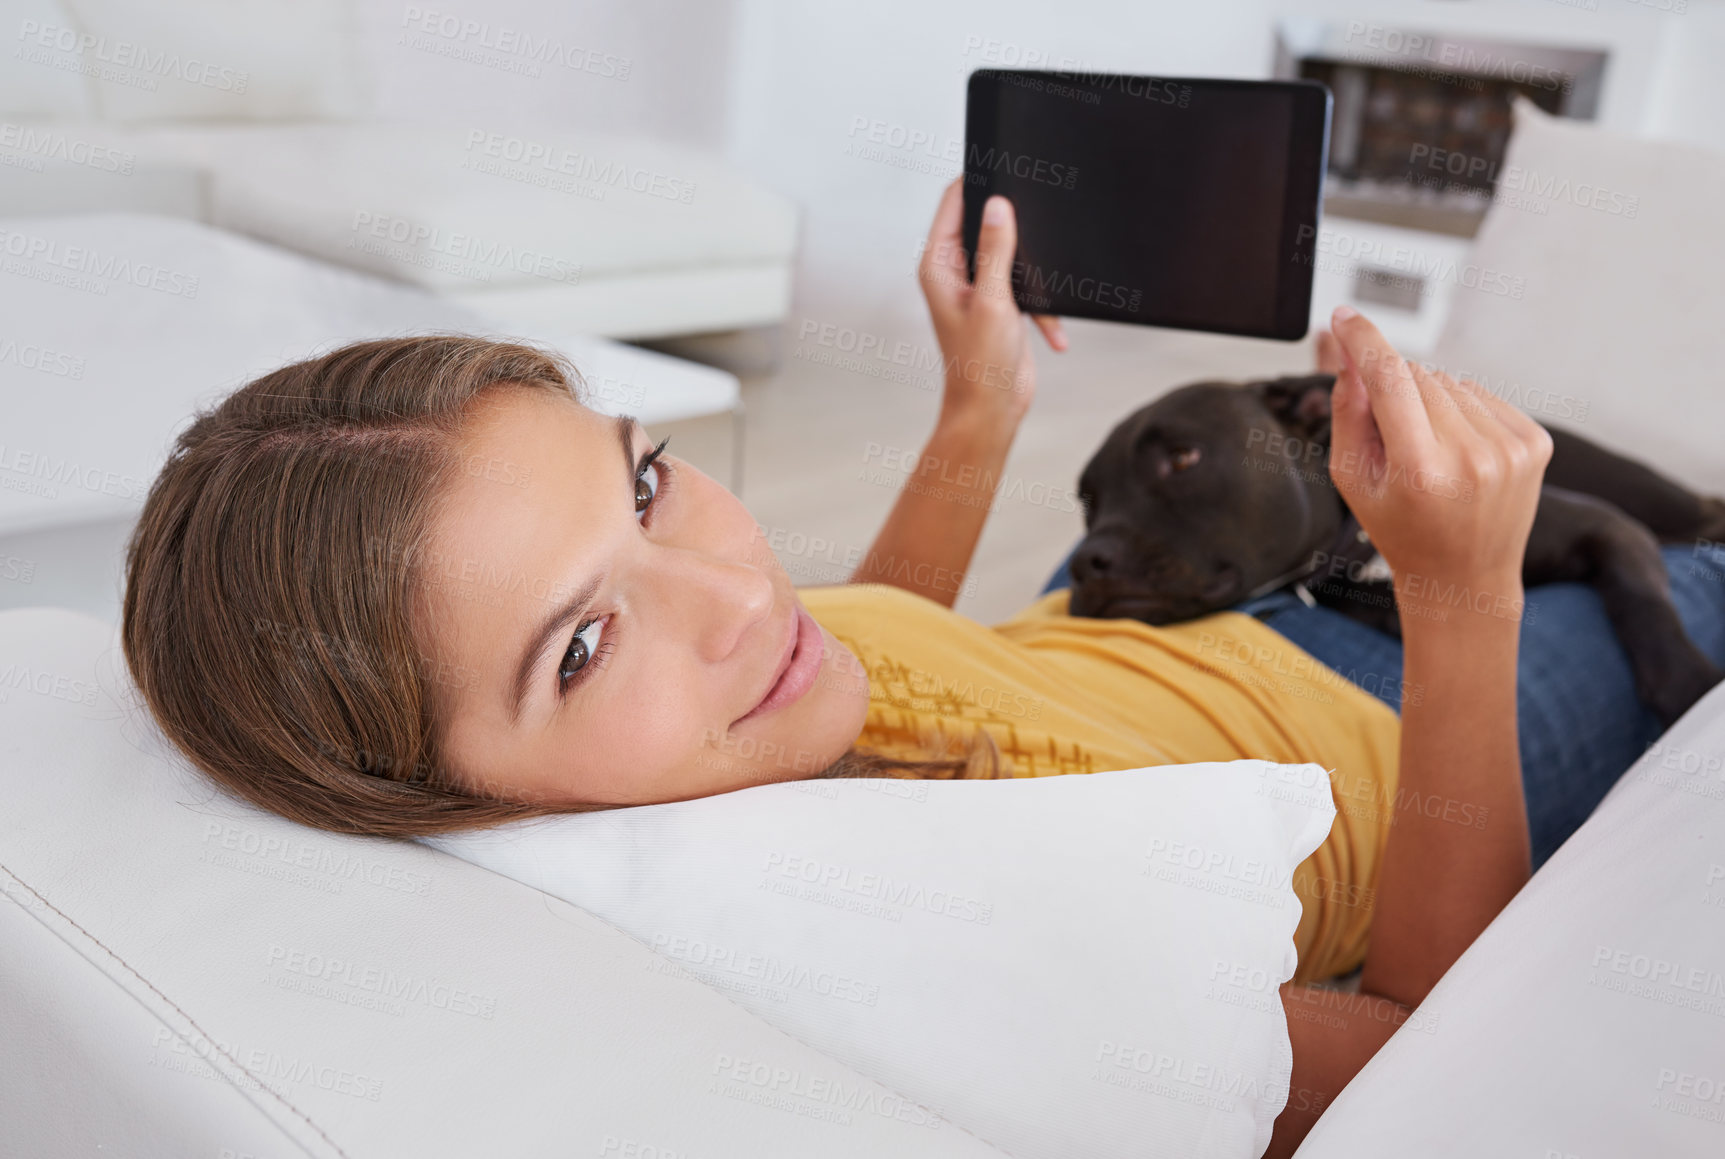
(581, 650)
(659, 469)
(645, 491)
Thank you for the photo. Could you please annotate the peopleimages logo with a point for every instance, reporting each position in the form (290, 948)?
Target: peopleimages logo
(1022, 165)
(126, 54)
(57, 685)
(339, 863)
(601, 173)
(52, 145)
(35, 465)
(724, 963)
(1186, 1080)
(94, 263)
(40, 359)
(1450, 56)
(1040, 286)
(879, 888)
(453, 251)
(384, 984)
(812, 1096)
(463, 36)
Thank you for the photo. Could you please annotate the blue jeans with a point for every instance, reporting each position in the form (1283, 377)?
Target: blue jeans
(1580, 723)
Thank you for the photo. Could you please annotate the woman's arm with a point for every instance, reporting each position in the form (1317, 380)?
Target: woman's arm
(1445, 479)
(990, 378)
(931, 533)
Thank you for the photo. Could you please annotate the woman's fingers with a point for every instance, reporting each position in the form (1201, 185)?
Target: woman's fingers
(1051, 329)
(1474, 405)
(1510, 415)
(1498, 420)
(1441, 441)
(1356, 447)
(1397, 404)
(943, 252)
(1452, 413)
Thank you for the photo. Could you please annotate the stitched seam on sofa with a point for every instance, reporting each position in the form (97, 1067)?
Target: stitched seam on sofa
(190, 1021)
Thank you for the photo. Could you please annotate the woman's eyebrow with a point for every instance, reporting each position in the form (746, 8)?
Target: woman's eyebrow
(567, 613)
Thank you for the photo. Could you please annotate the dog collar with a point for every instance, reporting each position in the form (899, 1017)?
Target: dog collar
(1350, 535)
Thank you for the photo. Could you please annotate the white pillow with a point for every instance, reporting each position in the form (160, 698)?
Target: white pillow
(1616, 244)
(1078, 965)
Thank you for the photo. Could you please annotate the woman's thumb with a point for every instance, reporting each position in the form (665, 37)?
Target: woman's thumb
(995, 246)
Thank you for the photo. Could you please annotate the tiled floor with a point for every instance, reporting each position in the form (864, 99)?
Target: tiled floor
(817, 435)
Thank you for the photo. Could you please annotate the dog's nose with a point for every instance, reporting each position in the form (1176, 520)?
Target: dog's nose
(1094, 559)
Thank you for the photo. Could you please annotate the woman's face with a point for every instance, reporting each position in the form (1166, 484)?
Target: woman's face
(598, 633)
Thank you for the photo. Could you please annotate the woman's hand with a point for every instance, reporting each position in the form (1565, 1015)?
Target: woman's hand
(1445, 479)
(983, 340)
(931, 533)
(1442, 475)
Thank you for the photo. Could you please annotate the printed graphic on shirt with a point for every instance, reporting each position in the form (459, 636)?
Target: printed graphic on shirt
(914, 711)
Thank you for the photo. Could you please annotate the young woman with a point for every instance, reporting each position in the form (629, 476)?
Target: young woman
(414, 586)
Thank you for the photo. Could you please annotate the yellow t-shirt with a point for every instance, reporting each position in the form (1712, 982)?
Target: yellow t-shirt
(1065, 694)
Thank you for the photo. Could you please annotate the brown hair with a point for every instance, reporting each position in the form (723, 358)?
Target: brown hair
(269, 614)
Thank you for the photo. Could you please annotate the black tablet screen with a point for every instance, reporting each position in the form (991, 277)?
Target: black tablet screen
(1167, 202)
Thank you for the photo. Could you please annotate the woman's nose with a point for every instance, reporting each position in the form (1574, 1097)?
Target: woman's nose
(725, 601)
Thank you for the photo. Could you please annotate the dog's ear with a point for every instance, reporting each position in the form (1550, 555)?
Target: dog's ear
(1300, 404)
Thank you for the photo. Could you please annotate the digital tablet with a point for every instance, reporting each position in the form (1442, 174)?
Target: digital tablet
(1161, 201)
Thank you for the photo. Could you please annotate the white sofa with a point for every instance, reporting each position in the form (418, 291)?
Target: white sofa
(255, 118)
(1587, 1020)
(1619, 243)
(117, 326)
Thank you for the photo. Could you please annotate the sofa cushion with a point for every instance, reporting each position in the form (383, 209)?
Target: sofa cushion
(586, 233)
(1589, 1018)
(34, 84)
(1617, 244)
(213, 59)
(452, 208)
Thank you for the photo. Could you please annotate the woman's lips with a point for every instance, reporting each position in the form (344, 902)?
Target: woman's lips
(799, 674)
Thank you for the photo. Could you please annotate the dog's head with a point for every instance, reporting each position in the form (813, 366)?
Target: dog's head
(1199, 498)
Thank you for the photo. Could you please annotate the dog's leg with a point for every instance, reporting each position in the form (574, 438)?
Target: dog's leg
(1668, 509)
(1580, 538)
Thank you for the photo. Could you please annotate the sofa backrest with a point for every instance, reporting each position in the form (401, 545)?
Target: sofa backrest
(1615, 245)
(221, 60)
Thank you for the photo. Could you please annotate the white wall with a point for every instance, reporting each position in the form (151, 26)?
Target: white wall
(1687, 102)
(809, 74)
(675, 88)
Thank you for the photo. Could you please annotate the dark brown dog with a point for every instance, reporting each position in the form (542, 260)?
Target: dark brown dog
(1217, 492)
